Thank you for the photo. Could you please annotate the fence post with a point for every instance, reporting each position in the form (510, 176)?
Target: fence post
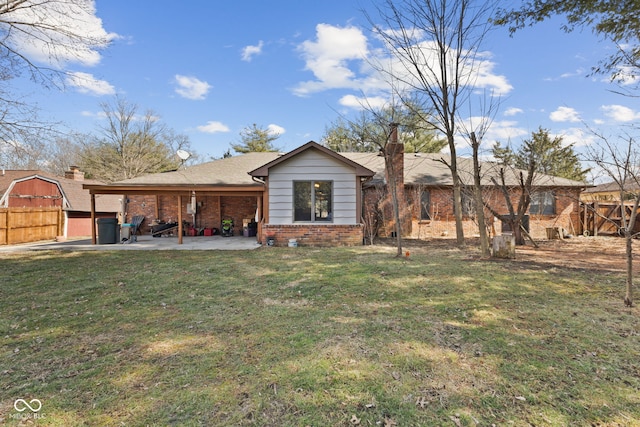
(6, 224)
(8, 240)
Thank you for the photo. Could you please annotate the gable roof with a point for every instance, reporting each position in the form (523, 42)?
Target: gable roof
(360, 170)
(77, 199)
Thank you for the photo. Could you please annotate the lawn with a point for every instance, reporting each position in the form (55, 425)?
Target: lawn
(313, 337)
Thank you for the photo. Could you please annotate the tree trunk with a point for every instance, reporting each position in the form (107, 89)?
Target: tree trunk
(396, 215)
(628, 299)
(504, 247)
(477, 193)
(517, 232)
(457, 209)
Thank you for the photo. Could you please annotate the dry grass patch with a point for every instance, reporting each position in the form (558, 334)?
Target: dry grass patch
(301, 336)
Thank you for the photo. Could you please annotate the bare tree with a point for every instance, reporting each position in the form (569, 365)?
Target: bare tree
(130, 145)
(40, 39)
(523, 188)
(621, 164)
(436, 45)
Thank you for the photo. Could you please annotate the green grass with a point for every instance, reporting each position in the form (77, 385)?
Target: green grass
(317, 337)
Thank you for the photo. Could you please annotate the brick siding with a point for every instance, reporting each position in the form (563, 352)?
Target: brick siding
(314, 235)
(442, 222)
(210, 213)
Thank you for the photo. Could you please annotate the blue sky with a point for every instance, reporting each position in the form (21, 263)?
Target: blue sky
(209, 69)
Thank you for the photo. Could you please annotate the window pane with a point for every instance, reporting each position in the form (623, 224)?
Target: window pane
(543, 203)
(302, 201)
(468, 205)
(323, 201)
(425, 205)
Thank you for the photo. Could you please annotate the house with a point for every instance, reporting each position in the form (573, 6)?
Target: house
(321, 197)
(38, 189)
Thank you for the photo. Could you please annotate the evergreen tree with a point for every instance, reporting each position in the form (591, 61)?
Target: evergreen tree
(255, 139)
(361, 134)
(549, 155)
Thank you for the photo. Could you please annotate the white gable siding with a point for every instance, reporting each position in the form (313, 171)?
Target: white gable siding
(312, 165)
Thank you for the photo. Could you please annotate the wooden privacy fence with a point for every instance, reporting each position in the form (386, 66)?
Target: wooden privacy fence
(23, 225)
(605, 218)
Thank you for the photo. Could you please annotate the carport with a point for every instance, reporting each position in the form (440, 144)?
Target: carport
(182, 194)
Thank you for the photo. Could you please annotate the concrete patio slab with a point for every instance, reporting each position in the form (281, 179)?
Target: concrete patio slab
(200, 243)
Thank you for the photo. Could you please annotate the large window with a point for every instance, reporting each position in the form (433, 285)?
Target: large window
(468, 204)
(425, 205)
(312, 201)
(543, 203)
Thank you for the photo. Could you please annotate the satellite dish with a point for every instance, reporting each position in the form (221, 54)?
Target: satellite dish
(184, 155)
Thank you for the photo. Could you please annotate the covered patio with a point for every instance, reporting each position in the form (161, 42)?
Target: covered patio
(203, 195)
(184, 199)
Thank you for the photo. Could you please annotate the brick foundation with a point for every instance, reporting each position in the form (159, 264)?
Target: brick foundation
(314, 235)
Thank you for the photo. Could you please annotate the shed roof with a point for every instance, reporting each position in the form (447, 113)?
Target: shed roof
(609, 187)
(78, 199)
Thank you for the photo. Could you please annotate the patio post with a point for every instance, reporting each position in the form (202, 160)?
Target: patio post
(180, 219)
(93, 219)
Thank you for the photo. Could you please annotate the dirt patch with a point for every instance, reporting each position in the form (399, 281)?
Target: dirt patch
(587, 253)
(584, 253)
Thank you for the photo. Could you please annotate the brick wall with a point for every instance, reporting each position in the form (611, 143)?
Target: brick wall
(210, 212)
(442, 222)
(314, 235)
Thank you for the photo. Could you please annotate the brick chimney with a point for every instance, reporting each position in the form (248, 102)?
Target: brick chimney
(394, 152)
(74, 173)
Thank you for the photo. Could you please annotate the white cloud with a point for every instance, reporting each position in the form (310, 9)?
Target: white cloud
(213, 127)
(577, 73)
(77, 35)
(328, 58)
(565, 114)
(191, 88)
(275, 130)
(503, 131)
(513, 111)
(620, 113)
(87, 83)
(249, 51)
(486, 79)
(360, 103)
(341, 58)
(627, 76)
(576, 136)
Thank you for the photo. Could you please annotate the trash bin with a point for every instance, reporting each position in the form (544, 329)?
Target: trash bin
(107, 231)
(125, 232)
